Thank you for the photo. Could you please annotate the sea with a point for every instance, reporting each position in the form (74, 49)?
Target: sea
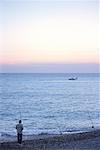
(49, 103)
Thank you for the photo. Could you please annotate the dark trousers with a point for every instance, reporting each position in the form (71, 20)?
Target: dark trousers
(19, 138)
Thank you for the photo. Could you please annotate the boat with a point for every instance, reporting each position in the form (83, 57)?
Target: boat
(73, 78)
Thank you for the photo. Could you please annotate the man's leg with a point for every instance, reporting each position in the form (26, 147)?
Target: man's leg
(20, 138)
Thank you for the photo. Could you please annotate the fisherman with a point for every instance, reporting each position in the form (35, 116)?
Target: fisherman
(19, 128)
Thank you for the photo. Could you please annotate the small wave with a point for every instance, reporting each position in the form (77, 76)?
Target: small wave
(71, 130)
(6, 135)
(43, 133)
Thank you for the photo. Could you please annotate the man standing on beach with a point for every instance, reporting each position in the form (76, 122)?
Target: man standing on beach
(19, 128)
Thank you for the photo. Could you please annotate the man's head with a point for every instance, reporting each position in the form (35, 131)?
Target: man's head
(20, 121)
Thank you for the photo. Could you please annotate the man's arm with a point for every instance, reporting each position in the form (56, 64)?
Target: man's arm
(22, 127)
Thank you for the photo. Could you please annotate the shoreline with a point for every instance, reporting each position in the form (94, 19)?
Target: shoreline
(83, 140)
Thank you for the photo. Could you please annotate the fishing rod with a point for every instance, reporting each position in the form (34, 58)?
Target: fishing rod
(90, 119)
(58, 125)
(61, 131)
(19, 109)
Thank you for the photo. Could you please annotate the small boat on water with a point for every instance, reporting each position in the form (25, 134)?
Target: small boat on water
(73, 78)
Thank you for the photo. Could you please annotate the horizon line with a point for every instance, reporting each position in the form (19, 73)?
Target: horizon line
(51, 63)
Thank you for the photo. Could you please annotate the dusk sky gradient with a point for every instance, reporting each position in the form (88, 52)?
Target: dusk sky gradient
(49, 36)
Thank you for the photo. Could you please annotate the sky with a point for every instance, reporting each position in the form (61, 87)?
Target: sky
(49, 36)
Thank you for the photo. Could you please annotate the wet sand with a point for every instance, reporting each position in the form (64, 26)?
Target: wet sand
(75, 141)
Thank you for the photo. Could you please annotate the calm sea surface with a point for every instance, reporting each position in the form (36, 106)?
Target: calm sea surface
(49, 103)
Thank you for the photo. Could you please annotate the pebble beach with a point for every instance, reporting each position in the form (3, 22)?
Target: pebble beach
(75, 141)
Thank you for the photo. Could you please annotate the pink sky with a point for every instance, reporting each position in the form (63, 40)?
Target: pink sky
(49, 32)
